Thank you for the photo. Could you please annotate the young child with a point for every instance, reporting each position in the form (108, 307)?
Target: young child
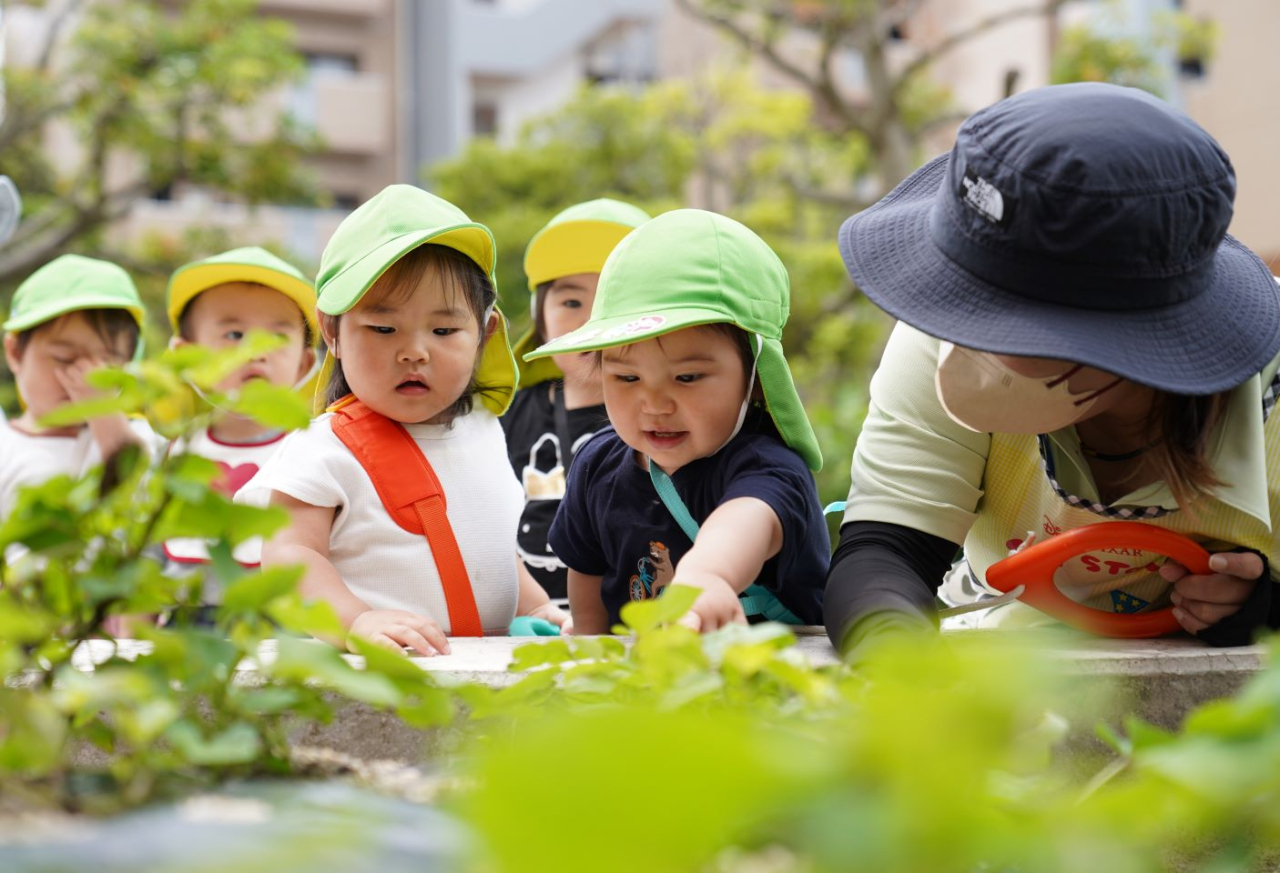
(68, 318)
(216, 302)
(560, 404)
(420, 367)
(688, 319)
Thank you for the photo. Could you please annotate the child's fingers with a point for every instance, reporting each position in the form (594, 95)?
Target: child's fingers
(691, 620)
(429, 630)
(385, 640)
(407, 636)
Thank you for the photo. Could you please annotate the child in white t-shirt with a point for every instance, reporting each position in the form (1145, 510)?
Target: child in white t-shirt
(68, 318)
(406, 303)
(216, 302)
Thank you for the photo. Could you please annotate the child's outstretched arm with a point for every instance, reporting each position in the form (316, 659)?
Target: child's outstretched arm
(733, 544)
(306, 541)
(586, 606)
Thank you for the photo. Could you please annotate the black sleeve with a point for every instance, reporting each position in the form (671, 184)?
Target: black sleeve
(1261, 610)
(886, 570)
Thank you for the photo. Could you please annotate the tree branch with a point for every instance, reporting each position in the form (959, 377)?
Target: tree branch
(1049, 7)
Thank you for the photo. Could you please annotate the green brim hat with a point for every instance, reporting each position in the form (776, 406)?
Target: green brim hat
(249, 264)
(386, 228)
(71, 283)
(578, 240)
(690, 267)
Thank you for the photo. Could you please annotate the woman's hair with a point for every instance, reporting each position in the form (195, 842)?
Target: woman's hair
(109, 324)
(1181, 427)
(460, 275)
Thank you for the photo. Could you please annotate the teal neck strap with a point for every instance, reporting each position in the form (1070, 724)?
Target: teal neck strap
(671, 499)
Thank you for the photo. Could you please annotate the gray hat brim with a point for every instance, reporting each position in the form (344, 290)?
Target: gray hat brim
(1210, 343)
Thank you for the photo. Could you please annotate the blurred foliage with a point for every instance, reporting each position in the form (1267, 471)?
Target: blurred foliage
(1100, 51)
(78, 557)
(150, 96)
(728, 752)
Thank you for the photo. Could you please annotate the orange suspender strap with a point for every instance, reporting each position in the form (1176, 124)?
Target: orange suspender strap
(412, 496)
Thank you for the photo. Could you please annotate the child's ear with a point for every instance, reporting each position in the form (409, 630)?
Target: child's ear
(328, 330)
(491, 326)
(177, 341)
(12, 356)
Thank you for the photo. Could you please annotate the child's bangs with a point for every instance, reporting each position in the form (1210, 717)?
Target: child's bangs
(461, 279)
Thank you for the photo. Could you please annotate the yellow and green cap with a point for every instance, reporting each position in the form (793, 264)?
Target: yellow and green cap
(70, 283)
(577, 240)
(388, 226)
(690, 267)
(249, 264)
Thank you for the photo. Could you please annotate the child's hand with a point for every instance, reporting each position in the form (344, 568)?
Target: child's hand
(566, 629)
(1202, 601)
(717, 605)
(550, 612)
(397, 629)
(72, 378)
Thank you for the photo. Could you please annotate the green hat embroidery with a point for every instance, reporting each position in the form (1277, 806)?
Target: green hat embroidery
(577, 240)
(71, 283)
(384, 229)
(691, 267)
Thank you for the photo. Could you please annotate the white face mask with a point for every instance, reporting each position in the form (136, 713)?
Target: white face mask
(981, 393)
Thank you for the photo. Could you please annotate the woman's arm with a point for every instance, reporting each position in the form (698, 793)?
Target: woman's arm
(883, 579)
(732, 546)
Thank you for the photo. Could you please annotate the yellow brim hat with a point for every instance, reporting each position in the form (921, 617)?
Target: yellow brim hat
(577, 240)
(250, 264)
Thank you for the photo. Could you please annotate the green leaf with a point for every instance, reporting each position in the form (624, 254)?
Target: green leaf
(278, 406)
(644, 615)
(551, 652)
(304, 660)
(253, 591)
(238, 744)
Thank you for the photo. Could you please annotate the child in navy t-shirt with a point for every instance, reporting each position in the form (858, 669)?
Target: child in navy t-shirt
(704, 478)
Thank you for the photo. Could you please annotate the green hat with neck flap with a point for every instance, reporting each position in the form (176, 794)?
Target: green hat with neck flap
(691, 267)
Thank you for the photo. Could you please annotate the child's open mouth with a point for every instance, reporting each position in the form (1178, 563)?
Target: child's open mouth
(665, 439)
(412, 387)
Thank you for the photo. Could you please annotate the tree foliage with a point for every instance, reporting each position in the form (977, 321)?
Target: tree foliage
(153, 95)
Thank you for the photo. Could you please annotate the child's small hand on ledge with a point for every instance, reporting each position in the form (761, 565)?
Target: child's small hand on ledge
(397, 630)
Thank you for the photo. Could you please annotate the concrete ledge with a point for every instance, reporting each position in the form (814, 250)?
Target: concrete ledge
(1159, 681)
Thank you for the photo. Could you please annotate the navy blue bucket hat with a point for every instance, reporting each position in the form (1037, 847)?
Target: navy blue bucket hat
(1085, 222)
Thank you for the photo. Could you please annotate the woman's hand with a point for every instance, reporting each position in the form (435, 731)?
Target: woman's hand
(1202, 601)
(397, 629)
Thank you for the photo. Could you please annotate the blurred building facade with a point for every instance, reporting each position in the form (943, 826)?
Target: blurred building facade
(395, 85)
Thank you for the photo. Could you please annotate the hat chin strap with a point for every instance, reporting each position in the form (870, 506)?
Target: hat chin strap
(746, 401)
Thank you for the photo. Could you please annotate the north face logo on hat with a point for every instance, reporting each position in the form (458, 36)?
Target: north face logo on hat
(983, 198)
